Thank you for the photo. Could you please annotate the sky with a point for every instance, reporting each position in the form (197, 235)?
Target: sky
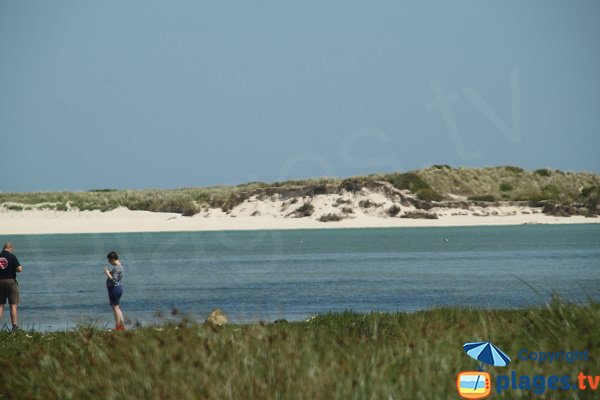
(137, 94)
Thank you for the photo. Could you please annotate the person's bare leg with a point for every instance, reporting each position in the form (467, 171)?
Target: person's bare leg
(118, 315)
(14, 315)
(121, 321)
(114, 308)
(1, 311)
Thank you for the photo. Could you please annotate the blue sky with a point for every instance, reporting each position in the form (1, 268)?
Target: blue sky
(135, 94)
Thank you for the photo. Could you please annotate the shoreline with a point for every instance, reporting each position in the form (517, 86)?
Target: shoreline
(156, 323)
(121, 220)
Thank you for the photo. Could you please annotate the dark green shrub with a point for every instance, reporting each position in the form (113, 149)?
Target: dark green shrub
(513, 169)
(150, 201)
(202, 197)
(441, 166)
(305, 210)
(232, 201)
(184, 205)
(413, 182)
(393, 210)
(543, 172)
(354, 184)
(551, 191)
(590, 197)
(86, 206)
(419, 215)
(429, 194)
(106, 207)
(590, 190)
(505, 187)
(256, 184)
(533, 196)
(217, 201)
(367, 204)
(330, 218)
(318, 189)
(483, 197)
(406, 181)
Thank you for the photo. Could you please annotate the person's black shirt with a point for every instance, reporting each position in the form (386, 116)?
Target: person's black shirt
(8, 265)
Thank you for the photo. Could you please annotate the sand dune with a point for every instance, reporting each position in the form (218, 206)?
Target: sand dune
(355, 210)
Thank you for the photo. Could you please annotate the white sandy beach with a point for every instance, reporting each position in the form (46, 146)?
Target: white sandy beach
(124, 220)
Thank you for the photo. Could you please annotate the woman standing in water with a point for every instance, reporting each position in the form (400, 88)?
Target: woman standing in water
(115, 290)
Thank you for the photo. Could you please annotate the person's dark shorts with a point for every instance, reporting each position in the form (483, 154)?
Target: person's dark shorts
(114, 295)
(9, 290)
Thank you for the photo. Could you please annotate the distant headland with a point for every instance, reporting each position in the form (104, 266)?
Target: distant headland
(436, 196)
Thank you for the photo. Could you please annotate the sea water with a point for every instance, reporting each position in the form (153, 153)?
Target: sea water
(292, 274)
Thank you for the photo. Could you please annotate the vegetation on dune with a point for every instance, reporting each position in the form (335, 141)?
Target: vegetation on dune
(431, 184)
(304, 182)
(367, 204)
(334, 356)
(510, 183)
(429, 194)
(415, 183)
(331, 217)
(590, 197)
(183, 201)
(418, 214)
(483, 197)
(513, 169)
(543, 172)
(305, 210)
(407, 181)
(393, 210)
(506, 187)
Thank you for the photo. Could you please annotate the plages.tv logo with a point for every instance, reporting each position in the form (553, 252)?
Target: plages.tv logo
(477, 384)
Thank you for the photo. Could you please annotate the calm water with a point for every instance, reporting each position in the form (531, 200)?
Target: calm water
(293, 274)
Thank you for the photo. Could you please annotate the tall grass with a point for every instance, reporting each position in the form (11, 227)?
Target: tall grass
(510, 183)
(334, 356)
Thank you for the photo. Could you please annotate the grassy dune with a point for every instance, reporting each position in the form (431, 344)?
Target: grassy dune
(433, 184)
(344, 356)
(510, 183)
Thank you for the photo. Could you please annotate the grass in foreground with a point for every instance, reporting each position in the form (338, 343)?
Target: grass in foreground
(342, 356)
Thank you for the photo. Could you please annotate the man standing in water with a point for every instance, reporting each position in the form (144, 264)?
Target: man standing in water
(9, 288)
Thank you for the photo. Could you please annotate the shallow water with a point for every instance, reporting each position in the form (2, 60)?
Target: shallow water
(268, 275)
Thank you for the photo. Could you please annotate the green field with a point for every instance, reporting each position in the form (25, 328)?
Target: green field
(336, 356)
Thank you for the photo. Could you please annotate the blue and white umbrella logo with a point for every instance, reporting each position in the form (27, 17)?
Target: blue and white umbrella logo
(487, 353)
